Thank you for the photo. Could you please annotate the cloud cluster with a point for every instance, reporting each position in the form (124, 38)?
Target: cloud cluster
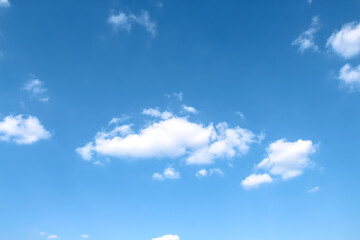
(169, 173)
(171, 137)
(22, 130)
(167, 237)
(4, 3)
(346, 41)
(126, 21)
(306, 39)
(284, 159)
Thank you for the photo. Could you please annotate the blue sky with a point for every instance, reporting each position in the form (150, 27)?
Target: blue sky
(169, 120)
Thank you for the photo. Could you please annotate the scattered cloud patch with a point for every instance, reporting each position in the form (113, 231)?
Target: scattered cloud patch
(169, 173)
(4, 3)
(36, 89)
(178, 95)
(22, 130)
(287, 159)
(116, 120)
(350, 76)
(346, 41)
(306, 39)
(154, 112)
(254, 180)
(172, 137)
(213, 171)
(123, 21)
(189, 109)
(167, 237)
(52, 237)
(284, 159)
(314, 189)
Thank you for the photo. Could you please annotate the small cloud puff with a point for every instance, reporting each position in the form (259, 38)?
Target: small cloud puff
(167, 237)
(22, 130)
(169, 173)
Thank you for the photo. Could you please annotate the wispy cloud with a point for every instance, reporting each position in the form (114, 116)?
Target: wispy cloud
(314, 189)
(306, 39)
(123, 21)
(212, 171)
(36, 89)
(167, 237)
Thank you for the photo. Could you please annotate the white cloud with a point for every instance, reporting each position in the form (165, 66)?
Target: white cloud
(36, 89)
(4, 3)
(314, 189)
(53, 237)
(169, 173)
(287, 159)
(156, 113)
(22, 130)
(350, 76)
(171, 137)
(84, 236)
(346, 42)
(167, 237)
(124, 21)
(213, 171)
(254, 180)
(189, 109)
(306, 39)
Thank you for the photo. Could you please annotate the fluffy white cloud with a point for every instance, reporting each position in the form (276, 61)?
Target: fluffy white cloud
(287, 159)
(189, 109)
(124, 21)
(346, 42)
(284, 159)
(350, 76)
(167, 237)
(4, 3)
(169, 173)
(22, 130)
(306, 39)
(314, 189)
(36, 89)
(171, 137)
(254, 180)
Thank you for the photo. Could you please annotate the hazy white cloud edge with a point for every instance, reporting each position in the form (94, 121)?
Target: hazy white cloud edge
(346, 41)
(306, 39)
(171, 137)
(284, 159)
(212, 171)
(167, 237)
(22, 130)
(350, 76)
(37, 90)
(4, 3)
(169, 173)
(126, 21)
(314, 189)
